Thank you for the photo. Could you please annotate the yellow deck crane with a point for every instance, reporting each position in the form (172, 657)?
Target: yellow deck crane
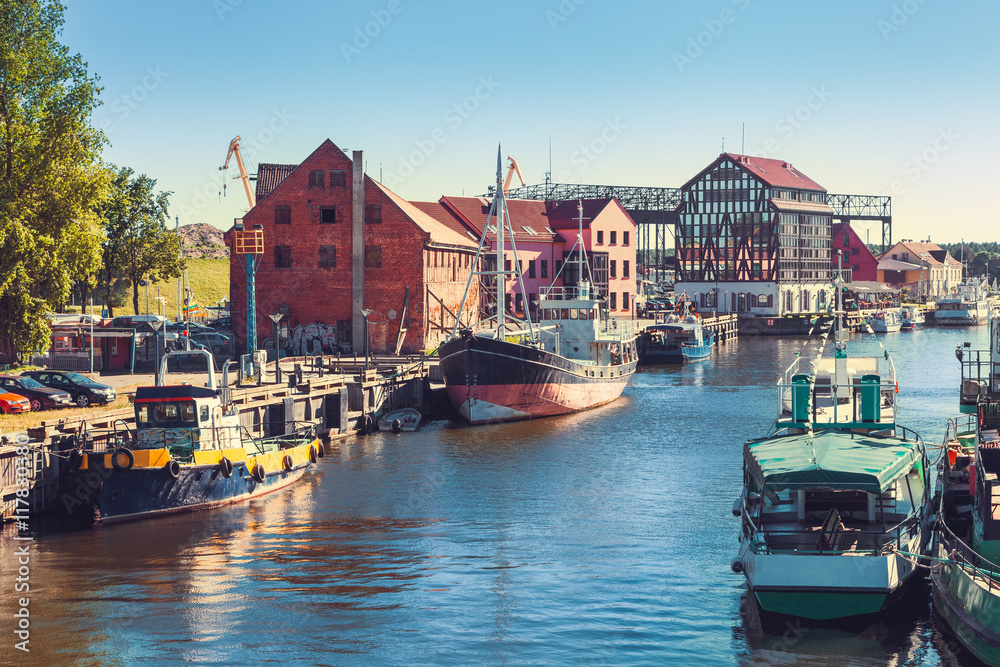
(234, 149)
(510, 173)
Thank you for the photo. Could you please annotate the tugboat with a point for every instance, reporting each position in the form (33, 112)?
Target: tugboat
(965, 572)
(834, 499)
(504, 369)
(189, 453)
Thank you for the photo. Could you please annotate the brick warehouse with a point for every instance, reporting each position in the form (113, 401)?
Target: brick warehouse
(337, 242)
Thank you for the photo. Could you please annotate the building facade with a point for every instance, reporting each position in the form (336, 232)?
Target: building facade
(852, 254)
(939, 274)
(753, 236)
(337, 243)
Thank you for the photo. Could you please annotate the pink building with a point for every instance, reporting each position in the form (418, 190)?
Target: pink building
(545, 234)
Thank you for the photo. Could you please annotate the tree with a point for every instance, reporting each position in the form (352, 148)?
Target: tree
(138, 245)
(51, 175)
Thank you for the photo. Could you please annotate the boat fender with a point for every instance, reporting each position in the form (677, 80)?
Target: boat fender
(173, 469)
(736, 565)
(75, 460)
(123, 459)
(286, 462)
(320, 452)
(258, 473)
(397, 426)
(312, 454)
(226, 467)
(737, 506)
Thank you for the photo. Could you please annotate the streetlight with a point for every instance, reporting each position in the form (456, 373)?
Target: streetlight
(91, 335)
(275, 318)
(365, 313)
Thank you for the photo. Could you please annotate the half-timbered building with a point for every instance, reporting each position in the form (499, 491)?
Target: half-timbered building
(753, 236)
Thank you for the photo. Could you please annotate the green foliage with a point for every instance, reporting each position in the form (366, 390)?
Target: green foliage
(138, 245)
(51, 171)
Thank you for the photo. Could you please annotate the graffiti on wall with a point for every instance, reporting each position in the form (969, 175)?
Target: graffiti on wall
(309, 339)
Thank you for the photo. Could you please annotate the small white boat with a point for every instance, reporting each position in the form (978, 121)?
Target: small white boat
(886, 321)
(404, 419)
(912, 318)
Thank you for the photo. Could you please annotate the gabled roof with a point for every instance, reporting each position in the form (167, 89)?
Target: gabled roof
(566, 215)
(528, 217)
(931, 253)
(776, 173)
(439, 232)
(269, 175)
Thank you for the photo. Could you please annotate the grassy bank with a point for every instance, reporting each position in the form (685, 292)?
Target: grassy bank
(209, 278)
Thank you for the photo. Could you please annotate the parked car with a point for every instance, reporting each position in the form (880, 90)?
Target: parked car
(216, 342)
(37, 393)
(83, 390)
(14, 403)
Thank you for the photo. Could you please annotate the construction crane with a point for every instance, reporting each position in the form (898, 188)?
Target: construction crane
(234, 149)
(510, 174)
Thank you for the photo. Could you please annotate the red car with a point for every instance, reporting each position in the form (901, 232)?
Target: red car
(12, 403)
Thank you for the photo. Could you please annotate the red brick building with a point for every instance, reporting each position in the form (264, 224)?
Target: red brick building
(853, 254)
(337, 242)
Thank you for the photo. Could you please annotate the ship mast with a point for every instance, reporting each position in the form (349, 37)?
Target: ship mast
(501, 276)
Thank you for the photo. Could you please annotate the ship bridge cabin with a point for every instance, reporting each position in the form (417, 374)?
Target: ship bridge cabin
(183, 419)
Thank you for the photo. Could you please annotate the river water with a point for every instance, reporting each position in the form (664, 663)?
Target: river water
(598, 538)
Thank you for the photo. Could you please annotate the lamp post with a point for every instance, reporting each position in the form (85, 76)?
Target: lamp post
(365, 313)
(91, 334)
(275, 318)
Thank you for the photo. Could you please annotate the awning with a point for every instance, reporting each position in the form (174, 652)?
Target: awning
(828, 459)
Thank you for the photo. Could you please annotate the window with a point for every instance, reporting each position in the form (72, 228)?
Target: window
(328, 215)
(544, 268)
(338, 177)
(624, 300)
(518, 302)
(506, 265)
(847, 239)
(613, 304)
(625, 270)
(373, 214)
(282, 256)
(624, 238)
(531, 268)
(613, 269)
(373, 256)
(282, 214)
(854, 251)
(600, 238)
(613, 235)
(315, 178)
(328, 256)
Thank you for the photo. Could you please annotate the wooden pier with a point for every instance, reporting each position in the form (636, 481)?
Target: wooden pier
(338, 396)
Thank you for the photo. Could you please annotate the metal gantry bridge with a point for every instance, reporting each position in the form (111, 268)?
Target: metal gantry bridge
(655, 211)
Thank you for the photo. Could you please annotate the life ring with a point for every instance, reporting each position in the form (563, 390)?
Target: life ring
(226, 467)
(258, 473)
(287, 463)
(312, 454)
(173, 468)
(117, 462)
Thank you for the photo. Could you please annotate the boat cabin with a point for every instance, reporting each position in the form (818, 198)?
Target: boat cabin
(830, 491)
(980, 371)
(183, 419)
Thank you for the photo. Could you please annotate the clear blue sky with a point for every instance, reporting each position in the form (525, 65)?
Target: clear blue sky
(864, 96)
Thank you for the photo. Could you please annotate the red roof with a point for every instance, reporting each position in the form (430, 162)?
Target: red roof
(566, 215)
(525, 215)
(444, 215)
(269, 175)
(776, 173)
